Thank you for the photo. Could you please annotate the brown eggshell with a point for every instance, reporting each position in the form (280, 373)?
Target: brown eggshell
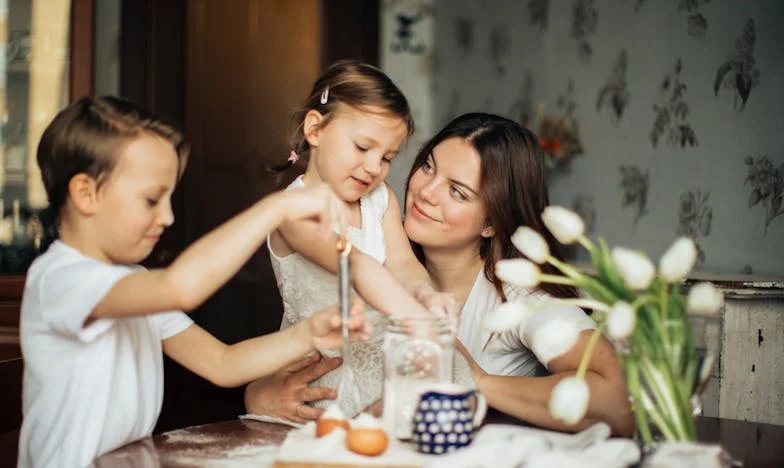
(367, 441)
(325, 426)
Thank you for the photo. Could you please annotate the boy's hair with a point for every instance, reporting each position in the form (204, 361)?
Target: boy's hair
(86, 138)
(354, 84)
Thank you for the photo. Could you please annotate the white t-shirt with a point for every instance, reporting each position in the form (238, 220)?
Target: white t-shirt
(511, 352)
(87, 389)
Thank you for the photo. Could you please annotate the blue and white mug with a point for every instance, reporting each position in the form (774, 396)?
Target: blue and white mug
(446, 417)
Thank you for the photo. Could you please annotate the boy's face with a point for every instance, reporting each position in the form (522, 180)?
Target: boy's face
(134, 203)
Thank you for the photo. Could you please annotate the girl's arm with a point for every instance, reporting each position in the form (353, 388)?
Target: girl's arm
(401, 260)
(212, 260)
(234, 365)
(372, 281)
(527, 397)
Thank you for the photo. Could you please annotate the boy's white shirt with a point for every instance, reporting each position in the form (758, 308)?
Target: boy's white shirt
(87, 389)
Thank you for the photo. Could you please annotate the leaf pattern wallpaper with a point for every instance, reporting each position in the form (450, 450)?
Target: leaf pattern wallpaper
(677, 102)
(584, 19)
(672, 112)
(615, 95)
(697, 23)
(739, 73)
(694, 219)
(767, 186)
(538, 11)
(634, 185)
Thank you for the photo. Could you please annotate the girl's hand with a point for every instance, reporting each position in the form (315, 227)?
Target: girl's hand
(326, 331)
(319, 202)
(442, 304)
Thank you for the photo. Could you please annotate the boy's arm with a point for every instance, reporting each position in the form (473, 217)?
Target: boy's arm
(212, 260)
(240, 363)
(372, 281)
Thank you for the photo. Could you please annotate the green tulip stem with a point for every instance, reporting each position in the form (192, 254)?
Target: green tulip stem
(555, 279)
(588, 352)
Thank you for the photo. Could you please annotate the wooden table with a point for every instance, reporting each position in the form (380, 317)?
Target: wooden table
(755, 444)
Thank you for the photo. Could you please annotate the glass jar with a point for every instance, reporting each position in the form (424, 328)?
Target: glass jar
(418, 352)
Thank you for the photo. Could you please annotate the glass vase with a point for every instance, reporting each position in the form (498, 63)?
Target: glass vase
(666, 386)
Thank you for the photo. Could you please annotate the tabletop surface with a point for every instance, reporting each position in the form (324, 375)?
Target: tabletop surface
(755, 444)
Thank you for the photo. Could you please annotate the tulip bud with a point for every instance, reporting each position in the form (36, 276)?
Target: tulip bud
(518, 272)
(565, 225)
(678, 260)
(621, 320)
(704, 299)
(553, 338)
(635, 268)
(569, 400)
(531, 244)
(505, 316)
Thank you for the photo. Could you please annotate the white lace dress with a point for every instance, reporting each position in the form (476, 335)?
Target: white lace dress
(307, 288)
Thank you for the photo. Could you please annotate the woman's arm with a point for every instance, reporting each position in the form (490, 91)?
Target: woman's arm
(527, 397)
(212, 260)
(234, 365)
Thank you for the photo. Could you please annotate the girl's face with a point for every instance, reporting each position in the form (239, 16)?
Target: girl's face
(134, 203)
(352, 152)
(443, 206)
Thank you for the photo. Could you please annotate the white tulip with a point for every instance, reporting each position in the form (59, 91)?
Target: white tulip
(531, 244)
(518, 272)
(635, 268)
(505, 316)
(569, 400)
(566, 225)
(704, 299)
(553, 338)
(678, 260)
(621, 320)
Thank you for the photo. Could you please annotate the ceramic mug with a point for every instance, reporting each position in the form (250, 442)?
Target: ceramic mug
(445, 418)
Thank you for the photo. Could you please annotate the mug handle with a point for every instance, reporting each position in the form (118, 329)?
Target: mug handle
(481, 409)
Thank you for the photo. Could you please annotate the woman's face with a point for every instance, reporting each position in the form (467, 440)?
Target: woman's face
(443, 206)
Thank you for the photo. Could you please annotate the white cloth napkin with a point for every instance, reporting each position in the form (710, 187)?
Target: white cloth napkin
(302, 445)
(688, 455)
(506, 446)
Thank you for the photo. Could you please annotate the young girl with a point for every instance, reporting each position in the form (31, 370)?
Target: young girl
(93, 324)
(351, 127)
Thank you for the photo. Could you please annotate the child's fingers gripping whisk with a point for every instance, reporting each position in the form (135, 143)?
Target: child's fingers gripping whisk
(320, 202)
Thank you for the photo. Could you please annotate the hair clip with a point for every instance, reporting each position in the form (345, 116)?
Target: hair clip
(293, 157)
(325, 95)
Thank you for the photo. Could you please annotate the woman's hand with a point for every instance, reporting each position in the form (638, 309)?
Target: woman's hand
(286, 394)
(476, 370)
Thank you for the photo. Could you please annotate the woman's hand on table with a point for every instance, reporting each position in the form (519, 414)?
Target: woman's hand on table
(286, 394)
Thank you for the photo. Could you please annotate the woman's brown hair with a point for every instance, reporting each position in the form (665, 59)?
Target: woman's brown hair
(513, 187)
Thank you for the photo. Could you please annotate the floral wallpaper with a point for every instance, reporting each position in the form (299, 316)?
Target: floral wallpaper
(678, 105)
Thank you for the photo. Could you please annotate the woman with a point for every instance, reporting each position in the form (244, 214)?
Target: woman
(470, 187)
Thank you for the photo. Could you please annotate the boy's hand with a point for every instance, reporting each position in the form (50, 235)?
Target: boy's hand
(326, 331)
(319, 202)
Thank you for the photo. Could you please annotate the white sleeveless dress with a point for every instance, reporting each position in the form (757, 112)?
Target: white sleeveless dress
(307, 288)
